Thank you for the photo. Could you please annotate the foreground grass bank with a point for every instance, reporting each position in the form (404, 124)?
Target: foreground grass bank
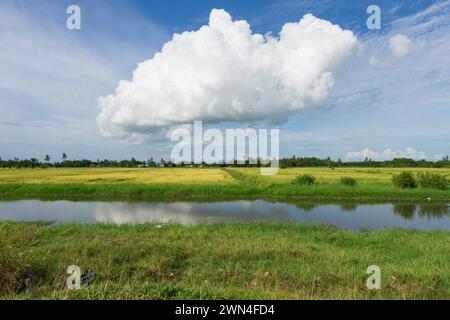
(233, 261)
(192, 183)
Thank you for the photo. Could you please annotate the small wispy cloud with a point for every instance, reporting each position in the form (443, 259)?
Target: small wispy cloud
(400, 45)
(387, 154)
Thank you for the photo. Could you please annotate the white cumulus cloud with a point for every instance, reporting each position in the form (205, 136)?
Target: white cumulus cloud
(387, 154)
(400, 45)
(224, 72)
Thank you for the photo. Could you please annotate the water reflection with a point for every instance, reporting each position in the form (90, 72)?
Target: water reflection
(428, 215)
(306, 206)
(407, 211)
(427, 210)
(433, 210)
(349, 207)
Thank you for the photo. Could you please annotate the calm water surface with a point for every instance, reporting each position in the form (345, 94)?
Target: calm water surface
(352, 216)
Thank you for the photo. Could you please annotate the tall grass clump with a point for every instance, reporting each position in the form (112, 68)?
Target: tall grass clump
(348, 181)
(18, 274)
(404, 180)
(9, 267)
(305, 179)
(432, 180)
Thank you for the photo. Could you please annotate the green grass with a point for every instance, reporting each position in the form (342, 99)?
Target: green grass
(225, 260)
(248, 187)
(186, 192)
(188, 183)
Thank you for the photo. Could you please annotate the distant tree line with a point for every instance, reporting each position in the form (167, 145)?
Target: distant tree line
(328, 162)
(293, 162)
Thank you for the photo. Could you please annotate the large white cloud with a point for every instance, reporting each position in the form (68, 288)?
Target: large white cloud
(224, 72)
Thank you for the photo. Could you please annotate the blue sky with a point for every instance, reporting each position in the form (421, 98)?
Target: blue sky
(384, 102)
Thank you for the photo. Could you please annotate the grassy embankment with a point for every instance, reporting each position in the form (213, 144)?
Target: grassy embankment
(191, 183)
(226, 260)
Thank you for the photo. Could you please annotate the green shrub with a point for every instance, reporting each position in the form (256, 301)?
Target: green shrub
(404, 180)
(305, 179)
(348, 181)
(432, 180)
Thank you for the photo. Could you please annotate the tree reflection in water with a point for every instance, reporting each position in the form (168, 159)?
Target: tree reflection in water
(428, 210)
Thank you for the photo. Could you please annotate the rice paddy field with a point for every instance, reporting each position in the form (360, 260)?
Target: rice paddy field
(199, 175)
(179, 183)
(115, 175)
